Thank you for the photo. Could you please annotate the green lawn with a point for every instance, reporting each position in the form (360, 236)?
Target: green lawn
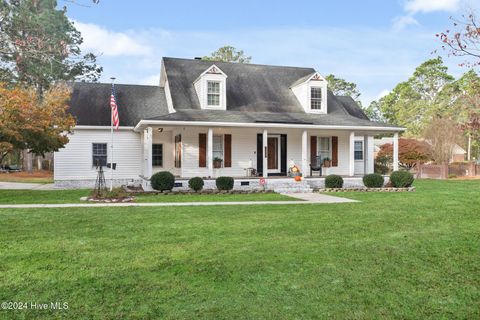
(392, 256)
(73, 196)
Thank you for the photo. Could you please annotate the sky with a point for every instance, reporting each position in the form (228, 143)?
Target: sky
(374, 43)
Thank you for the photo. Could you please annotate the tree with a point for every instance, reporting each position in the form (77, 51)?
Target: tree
(410, 152)
(443, 134)
(464, 39)
(27, 123)
(373, 112)
(228, 54)
(415, 102)
(39, 45)
(341, 87)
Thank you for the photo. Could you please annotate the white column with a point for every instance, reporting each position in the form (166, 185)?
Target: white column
(305, 170)
(395, 151)
(210, 152)
(366, 155)
(265, 152)
(351, 154)
(147, 152)
(469, 147)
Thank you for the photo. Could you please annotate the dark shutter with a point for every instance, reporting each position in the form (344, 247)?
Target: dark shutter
(283, 154)
(334, 151)
(313, 149)
(227, 161)
(202, 150)
(260, 154)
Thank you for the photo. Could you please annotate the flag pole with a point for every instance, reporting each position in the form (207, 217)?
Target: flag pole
(111, 137)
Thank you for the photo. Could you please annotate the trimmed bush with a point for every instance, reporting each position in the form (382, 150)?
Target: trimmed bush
(333, 181)
(224, 183)
(373, 180)
(196, 184)
(162, 181)
(401, 179)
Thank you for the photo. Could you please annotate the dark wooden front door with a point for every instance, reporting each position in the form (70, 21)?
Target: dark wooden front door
(272, 152)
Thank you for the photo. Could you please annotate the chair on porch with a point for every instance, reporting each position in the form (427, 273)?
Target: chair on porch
(316, 165)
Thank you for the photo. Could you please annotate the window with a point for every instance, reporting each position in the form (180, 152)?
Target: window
(218, 147)
(316, 98)
(157, 155)
(213, 93)
(324, 147)
(358, 150)
(99, 154)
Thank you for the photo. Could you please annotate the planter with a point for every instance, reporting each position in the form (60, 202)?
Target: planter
(217, 164)
(327, 163)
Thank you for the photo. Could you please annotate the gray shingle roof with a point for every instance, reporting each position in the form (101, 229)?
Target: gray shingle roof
(90, 103)
(255, 93)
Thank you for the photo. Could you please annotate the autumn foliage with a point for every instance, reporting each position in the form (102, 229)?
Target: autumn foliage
(30, 122)
(410, 151)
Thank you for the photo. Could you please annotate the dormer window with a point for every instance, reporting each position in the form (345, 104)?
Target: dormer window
(311, 92)
(316, 98)
(213, 93)
(211, 88)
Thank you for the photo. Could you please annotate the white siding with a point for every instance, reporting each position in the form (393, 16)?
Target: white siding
(167, 140)
(74, 162)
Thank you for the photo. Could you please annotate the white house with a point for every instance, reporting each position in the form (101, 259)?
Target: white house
(248, 116)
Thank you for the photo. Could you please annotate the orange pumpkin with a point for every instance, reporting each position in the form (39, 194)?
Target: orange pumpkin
(298, 178)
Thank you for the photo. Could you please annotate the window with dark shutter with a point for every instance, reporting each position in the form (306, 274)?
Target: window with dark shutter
(202, 150)
(334, 151)
(227, 162)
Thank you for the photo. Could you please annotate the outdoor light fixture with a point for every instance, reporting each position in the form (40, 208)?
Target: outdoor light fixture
(160, 129)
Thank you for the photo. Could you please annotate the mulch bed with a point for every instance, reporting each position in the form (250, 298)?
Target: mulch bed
(409, 189)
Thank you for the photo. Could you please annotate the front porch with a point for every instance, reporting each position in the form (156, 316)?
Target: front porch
(246, 153)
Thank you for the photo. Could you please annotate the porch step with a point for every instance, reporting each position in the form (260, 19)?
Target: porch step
(289, 186)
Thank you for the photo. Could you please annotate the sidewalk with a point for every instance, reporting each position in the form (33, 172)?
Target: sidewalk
(304, 198)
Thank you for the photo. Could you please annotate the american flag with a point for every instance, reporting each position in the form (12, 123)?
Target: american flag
(113, 105)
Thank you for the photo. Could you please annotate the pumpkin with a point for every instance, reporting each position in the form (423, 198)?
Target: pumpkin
(298, 178)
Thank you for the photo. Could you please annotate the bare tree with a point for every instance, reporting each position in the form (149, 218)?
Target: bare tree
(443, 135)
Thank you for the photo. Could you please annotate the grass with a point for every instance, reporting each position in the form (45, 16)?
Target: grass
(391, 256)
(73, 196)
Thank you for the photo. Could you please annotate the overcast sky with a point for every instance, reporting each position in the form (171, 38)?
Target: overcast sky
(374, 43)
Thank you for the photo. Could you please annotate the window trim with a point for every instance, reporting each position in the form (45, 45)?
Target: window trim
(222, 139)
(355, 143)
(312, 99)
(323, 101)
(153, 155)
(218, 94)
(106, 153)
(329, 146)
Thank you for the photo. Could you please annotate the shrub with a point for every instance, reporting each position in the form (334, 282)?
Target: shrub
(224, 183)
(163, 180)
(333, 181)
(373, 180)
(401, 179)
(196, 183)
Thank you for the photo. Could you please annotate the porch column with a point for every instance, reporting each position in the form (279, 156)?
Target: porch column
(304, 153)
(210, 152)
(351, 154)
(265, 152)
(147, 152)
(367, 154)
(395, 151)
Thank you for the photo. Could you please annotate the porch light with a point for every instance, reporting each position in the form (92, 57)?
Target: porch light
(160, 129)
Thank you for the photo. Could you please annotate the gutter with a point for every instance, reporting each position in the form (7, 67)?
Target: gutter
(144, 123)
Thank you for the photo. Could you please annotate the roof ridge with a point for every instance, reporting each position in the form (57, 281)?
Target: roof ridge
(243, 64)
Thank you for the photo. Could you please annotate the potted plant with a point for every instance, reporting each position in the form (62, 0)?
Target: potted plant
(217, 162)
(327, 163)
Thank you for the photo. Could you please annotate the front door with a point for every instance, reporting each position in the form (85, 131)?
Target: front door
(273, 151)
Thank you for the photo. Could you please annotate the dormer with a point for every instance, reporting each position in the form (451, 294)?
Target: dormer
(311, 92)
(211, 88)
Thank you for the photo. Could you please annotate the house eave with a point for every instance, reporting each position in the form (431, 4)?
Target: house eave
(145, 123)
